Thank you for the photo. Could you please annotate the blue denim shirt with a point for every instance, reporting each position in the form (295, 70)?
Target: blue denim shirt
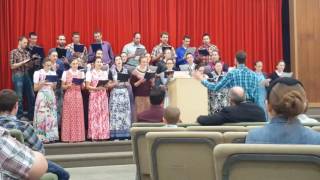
(280, 131)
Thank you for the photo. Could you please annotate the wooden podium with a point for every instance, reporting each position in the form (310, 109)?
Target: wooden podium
(190, 96)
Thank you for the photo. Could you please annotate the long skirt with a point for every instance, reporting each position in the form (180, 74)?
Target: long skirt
(217, 100)
(72, 125)
(45, 116)
(98, 118)
(120, 113)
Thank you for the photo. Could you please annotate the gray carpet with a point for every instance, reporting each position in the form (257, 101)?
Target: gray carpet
(119, 172)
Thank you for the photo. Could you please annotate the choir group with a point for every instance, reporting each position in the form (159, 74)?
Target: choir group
(80, 93)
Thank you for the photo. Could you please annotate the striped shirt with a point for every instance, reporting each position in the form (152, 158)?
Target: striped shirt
(241, 76)
(16, 159)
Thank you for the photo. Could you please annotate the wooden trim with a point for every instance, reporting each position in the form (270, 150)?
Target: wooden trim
(293, 37)
(314, 105)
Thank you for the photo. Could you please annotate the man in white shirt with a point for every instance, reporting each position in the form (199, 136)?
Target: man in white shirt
(131, 50)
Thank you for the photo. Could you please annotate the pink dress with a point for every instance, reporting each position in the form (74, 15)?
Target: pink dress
(72, 125)
(98, 118)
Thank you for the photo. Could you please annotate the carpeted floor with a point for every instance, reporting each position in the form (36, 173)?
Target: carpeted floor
(119, 172)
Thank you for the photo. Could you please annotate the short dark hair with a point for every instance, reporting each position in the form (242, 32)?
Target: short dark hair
(198, 66)
(61, 35)
(32, 34)
(164, 33)
(22, 38)
(205, 34)
(280, 61)
(241, 57)
(189, 53)
(8, 99)
(157, 96)
(97, 32)
(186, 37)
(142, 57)
(135, 33)
(257, 61)
(75, 33)
(170, 59)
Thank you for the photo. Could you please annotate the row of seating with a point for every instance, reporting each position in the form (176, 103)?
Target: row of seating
(245, 124)
(199, 153)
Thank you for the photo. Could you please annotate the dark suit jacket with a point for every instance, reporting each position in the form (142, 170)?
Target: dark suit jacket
(244, 112)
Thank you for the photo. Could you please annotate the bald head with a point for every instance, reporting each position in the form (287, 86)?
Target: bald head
(237, 95)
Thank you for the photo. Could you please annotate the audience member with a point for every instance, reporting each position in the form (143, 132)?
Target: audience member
(171, 116)
(8, 120)
(286, 100)
(239, 111)
(155, 113)
(18, 161)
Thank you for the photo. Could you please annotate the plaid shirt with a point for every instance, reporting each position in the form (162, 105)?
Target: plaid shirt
(241, 76)
(30, 137)
(16, 159)
(158, 49)
(205, 59)
(19, 55)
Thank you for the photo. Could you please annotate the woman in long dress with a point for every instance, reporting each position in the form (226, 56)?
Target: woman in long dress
(219, 99)
(119, 104)
(140, 86)
(72, 125)
(98, 117)
(45, 115)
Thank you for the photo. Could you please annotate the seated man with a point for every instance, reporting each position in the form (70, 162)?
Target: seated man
(8, 120)
(155, 113)
(18, 161)
(239, 111)
(171, 116)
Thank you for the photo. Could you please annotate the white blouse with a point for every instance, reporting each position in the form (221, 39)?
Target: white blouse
(40, 76)
(74, 74)
(95, 75)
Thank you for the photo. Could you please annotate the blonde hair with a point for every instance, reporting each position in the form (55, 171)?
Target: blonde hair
(172, 115)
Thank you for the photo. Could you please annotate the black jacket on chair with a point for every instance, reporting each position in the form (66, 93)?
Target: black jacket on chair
(243, 112)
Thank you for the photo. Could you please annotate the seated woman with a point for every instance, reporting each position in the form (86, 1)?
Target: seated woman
(286, 100)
